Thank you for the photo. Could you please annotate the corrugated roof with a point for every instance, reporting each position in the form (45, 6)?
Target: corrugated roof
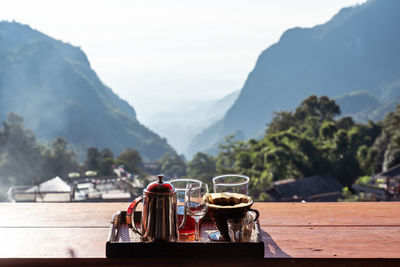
(392, 172)
(305, 187)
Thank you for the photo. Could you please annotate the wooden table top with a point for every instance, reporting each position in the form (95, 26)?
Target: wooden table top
(290, 230)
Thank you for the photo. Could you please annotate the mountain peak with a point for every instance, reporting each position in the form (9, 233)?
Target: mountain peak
(356, 50)
(53, 87)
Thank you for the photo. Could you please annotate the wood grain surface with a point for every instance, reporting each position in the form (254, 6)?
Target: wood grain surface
(290, 230)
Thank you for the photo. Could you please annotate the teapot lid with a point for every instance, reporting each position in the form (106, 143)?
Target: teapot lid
(160, 186)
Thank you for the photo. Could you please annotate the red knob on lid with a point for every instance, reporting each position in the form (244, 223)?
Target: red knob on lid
(160, 186)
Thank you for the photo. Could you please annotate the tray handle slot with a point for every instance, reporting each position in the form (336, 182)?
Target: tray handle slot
(114, 224)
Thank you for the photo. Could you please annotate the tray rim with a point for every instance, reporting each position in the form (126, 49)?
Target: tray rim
(116, 221)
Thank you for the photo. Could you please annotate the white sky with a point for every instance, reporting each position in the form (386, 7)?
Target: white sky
(170, 54)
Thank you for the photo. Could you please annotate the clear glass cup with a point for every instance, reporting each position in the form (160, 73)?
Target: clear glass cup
(232, 183)
(197, 204)
(188, 230)
(241, 229)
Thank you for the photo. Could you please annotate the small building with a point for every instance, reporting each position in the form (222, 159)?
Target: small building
(99, 189)
(53, 190)
(391, 179)
(370, 192)
(116, 195)
(311, 189)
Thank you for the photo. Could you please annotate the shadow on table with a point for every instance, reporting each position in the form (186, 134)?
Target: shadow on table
(271, 249)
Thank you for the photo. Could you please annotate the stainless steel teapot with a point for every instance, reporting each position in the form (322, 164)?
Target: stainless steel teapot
(159, 220)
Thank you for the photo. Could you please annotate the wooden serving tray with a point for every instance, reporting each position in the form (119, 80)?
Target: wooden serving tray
(122, 242)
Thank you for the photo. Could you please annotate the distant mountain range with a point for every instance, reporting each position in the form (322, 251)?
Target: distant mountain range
(53, 87)
(357, 50)
(363, 107)
(180, 126)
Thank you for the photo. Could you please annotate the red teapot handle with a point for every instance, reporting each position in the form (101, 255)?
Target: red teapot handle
(130, 213)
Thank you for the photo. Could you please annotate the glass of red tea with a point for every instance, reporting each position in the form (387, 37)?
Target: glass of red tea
(188, 230)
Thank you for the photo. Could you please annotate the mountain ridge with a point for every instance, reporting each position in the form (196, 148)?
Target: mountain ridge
(53, 87)
(356, 50)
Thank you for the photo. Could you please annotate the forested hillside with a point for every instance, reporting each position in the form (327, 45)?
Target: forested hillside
(53, 87)
(312, 140)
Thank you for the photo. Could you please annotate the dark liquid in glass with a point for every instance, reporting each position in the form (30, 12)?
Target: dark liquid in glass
(189, 227)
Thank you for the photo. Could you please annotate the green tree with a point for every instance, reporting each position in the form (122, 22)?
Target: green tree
(106, 162)
(327, 130)
(227, 154)
(105, 166)
(323, 108)
(20, 155)
(106, 153)
(93, 159)
(392, 157)
(345, 123)
(391, 122)
(172, 166)
(23, 161)
(301, 144)
(368, 157)
(388, 142)
(202, 167)
(132, 160)
(308, 116)
(281, 121)
(59, 160)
